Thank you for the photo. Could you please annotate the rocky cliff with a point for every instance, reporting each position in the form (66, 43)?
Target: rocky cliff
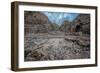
(36, 22)
(83, 21)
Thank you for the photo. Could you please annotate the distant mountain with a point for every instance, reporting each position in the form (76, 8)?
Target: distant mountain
(65, 27)
(55, 27)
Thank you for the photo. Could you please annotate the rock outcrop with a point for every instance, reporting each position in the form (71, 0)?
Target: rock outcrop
(82, 24)
(36, 22)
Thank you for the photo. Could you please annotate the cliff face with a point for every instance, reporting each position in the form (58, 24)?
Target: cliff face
(36, 22)
(80, 24)
(83, 21)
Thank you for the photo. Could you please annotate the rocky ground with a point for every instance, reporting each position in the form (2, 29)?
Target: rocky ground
(40, 47)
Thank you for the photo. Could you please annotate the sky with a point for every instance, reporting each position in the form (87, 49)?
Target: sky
(59, 17)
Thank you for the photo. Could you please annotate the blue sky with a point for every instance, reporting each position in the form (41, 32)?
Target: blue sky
(59, 17)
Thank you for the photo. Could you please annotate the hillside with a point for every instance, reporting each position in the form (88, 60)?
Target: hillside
(36, 22)
(65, 27)
(84, 21)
